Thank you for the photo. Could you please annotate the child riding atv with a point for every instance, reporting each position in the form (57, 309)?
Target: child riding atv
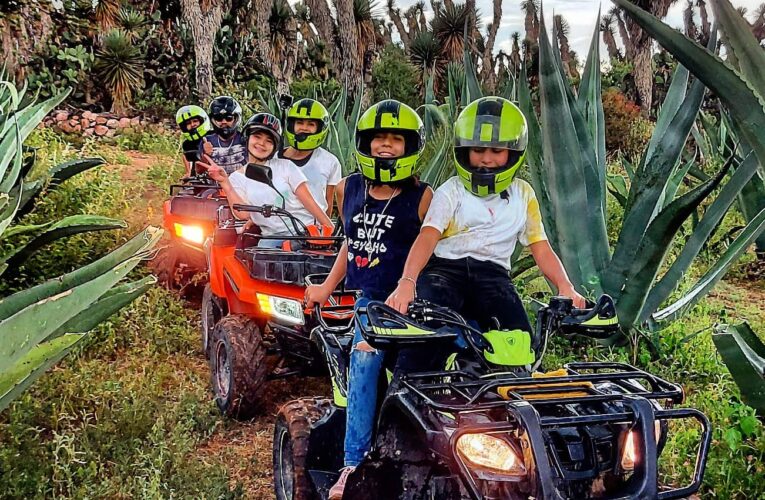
(306, 129)
(382, 209)
(262, 134)
(473, 223)
(195, 125)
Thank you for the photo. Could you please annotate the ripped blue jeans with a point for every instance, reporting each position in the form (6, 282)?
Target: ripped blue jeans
(363, 376)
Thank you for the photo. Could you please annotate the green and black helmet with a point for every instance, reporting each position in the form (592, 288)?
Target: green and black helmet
(489, 122)
(398, 118)
(307, 109)
(187, 113)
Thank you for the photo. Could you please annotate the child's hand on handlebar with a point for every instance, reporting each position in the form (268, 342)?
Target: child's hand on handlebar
(317, 294)
(402, 296)
(579, 301)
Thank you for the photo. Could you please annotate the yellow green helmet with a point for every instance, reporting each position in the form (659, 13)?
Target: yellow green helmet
(187, 113)
(389, 116)
(307, 109)
(489, 122)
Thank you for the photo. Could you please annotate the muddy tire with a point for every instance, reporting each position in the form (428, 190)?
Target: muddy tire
(291, 433)
(213, 310)
(165, 266)
(238, 366)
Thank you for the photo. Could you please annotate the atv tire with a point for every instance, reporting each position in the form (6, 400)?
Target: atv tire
(213, 309)
(238, 366)
(165, 266)
(291, 434)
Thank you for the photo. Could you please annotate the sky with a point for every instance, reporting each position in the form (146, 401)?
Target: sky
(580, 14)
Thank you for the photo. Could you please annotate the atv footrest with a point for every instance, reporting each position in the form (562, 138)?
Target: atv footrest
(323, 481)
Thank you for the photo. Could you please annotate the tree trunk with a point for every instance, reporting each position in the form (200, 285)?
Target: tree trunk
(688, 22)
(395, 16)
(346, 27)
(321, 17)
(487, 64)
(610, 41)
(705, 24)
(644, 77)
(204, 25)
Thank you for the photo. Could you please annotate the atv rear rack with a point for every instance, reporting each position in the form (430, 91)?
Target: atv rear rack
(528, 402)
(454, 391)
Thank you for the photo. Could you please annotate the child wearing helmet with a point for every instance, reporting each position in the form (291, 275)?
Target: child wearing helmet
(475, 221)
(382, 208)
(194, 124)
(305, 130)
(262, 134)
(225, 145)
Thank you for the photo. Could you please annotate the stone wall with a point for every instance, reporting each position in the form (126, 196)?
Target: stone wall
(89, 124)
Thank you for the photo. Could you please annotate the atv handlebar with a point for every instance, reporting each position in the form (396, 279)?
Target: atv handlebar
(319, 309)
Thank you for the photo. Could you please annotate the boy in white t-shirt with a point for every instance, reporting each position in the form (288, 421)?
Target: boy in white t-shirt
(263, 135)
(306, 130)
(461, 258)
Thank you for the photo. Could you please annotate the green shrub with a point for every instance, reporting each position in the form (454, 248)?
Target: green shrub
(394, 77)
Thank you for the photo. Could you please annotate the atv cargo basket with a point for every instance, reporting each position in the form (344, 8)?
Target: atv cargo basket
(582, 395)
(203, 206)
(284, 267)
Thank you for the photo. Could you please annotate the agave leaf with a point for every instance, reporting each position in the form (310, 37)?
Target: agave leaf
(10, 204)
(744, 355)
(138, 245)
(429, 98)
(647, 189)
(650, 255)
(68, 169)
(747, 236)
(472, 86)
(522, 265)
(17, 378)
(617, 186)
(26, 328)
(64, 228)
(27, 119)
(669, 108)
(745, 47)
(628, 168)
(582, 239)
(534, 157)
(109, 303)
(699, 237)
(591, 103)
(675, 180)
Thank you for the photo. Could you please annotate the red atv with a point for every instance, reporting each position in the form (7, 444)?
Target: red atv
(254, 324)
(190, 217)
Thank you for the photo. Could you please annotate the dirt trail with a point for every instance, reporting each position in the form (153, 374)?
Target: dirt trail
(147, 207)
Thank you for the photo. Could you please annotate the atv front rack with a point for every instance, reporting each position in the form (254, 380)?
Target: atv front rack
(532, 405)
(455, 391)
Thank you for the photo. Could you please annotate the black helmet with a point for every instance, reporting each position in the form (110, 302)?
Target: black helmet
(225, 107)
(267, 123)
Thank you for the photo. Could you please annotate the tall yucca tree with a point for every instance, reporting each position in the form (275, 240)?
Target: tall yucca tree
(740, 86)
(568, 169)
(40, 325)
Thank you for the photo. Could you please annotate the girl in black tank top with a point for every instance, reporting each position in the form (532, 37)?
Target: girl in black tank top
(382, 213)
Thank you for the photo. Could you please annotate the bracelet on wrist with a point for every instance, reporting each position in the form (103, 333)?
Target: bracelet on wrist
(407, 278)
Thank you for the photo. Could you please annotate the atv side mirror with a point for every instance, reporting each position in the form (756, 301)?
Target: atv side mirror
(259, 173)
(285, 101)
(262, 173)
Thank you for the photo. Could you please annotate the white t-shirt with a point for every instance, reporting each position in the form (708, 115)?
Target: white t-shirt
(322, 169)
(286, 178)
(486, 228)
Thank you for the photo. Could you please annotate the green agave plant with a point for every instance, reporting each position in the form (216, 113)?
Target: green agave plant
(739, 83)
(40, 325)
(567, 160)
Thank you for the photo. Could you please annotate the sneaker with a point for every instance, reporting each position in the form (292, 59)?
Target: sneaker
(336, 491)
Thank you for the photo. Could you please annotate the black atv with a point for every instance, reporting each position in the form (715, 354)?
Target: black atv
(483, 431)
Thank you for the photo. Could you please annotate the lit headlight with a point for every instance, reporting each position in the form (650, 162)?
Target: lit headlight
(630, 449)
(193, 234)
(490, 453)
(286, 310)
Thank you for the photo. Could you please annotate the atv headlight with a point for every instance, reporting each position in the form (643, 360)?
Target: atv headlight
(489, 452)
(630, 454)
(192, 234)
(287, 310)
